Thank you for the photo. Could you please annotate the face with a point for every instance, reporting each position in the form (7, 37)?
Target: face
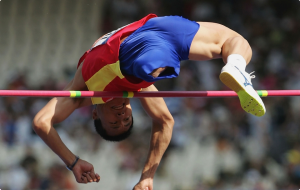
(115, 115)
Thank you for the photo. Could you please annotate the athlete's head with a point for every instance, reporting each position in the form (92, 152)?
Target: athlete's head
(113, 120)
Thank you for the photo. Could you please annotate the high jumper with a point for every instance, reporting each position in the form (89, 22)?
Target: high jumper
(132, 58)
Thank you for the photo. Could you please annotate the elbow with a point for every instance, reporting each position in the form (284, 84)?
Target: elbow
(40, 124)
(170, 122)
(168, 130)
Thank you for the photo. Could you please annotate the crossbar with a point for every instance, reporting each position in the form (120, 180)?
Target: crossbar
(88, 94)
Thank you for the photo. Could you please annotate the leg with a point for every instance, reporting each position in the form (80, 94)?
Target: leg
(214, 41)
(217, 41)
(237, 52)
(236, 45)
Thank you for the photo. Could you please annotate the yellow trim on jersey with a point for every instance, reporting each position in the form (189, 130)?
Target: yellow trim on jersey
(102, 78)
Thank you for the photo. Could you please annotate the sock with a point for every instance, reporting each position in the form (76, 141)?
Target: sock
(237, 60)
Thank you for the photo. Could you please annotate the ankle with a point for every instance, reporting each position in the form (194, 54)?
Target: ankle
(237, 60)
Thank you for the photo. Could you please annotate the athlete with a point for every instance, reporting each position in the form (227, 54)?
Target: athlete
(132, 58)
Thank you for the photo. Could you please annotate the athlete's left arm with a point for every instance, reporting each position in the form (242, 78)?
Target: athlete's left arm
(162, 127)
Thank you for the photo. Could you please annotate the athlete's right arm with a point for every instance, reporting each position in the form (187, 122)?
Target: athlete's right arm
(57, 110)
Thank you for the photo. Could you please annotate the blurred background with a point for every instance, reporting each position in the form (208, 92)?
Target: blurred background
(215, 144)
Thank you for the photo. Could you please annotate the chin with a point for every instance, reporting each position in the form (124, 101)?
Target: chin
(127, 101)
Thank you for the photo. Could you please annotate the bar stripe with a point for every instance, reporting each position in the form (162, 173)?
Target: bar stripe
(130, 94)
(78, 94)
(74, 94)
(259, 93)
(262, 93)
(125, 94)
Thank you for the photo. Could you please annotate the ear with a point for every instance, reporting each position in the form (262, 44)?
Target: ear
(95, 116)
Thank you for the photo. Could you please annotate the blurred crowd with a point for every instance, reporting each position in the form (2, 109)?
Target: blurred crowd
(215, 144)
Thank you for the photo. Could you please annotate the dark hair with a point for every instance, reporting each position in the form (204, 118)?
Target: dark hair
(102, 132)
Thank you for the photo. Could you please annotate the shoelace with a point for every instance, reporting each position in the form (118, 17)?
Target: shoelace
(251, 76)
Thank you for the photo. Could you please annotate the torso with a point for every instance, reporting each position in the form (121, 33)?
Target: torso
(122, 39)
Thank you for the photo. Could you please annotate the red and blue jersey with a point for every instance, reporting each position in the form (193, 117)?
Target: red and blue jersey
(101, 67)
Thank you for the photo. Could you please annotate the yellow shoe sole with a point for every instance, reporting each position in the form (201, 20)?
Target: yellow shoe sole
(248, 102)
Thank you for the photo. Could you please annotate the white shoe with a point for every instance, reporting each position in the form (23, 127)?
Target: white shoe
(240, 82)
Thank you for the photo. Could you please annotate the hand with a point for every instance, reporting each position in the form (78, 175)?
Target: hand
(84, 172)
(145, 184)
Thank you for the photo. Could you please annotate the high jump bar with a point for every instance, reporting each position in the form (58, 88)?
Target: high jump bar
(89, 94)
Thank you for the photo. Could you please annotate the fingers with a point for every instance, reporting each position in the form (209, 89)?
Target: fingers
(141, 188)
(90, 177)
(97, 177)
(93, 176)
(86, 176)
(83, 179)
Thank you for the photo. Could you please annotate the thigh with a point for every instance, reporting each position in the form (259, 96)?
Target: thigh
(208, 41)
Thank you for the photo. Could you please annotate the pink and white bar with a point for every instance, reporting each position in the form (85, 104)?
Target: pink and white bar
(87, 94)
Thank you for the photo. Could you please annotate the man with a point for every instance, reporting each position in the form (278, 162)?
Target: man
(132, 58)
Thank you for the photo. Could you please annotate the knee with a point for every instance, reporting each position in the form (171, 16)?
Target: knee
(237, 45)
(239, 41)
